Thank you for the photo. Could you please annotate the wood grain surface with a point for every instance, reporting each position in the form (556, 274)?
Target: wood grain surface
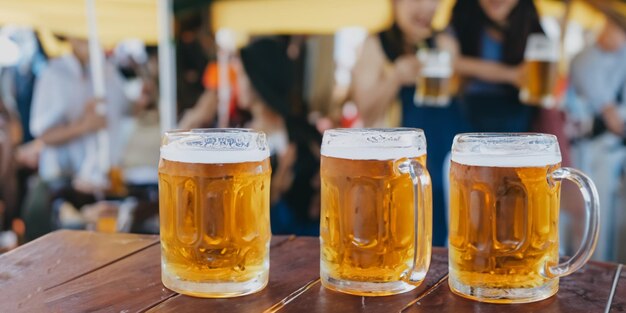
(77, 271)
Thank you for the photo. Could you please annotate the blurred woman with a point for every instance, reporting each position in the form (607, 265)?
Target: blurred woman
(386, 73)
(491, 37)
(265, 78)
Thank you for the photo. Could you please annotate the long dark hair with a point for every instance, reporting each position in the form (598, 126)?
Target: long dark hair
(469, 22)
(393, 42)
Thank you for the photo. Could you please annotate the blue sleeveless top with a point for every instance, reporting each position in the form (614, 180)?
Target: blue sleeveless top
(440, 124)
(494, 107)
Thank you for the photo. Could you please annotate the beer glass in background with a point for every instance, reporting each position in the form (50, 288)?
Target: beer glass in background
(117, 187)
(542, 65)
(214, 212)
(107, 219)
(376, 214)
(504, 213)
(433, 83)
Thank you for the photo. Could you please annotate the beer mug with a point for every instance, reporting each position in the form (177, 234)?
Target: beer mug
(214, 212)
(376, 213)
(541, 57)
(504, 214)
(433, 83)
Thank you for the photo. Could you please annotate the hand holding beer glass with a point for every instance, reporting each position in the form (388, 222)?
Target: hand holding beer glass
(541, 57)
(376, 214)
(214, 212)
(433, 83)
(504, 211)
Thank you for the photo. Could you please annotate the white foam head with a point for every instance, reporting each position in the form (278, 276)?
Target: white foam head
(374, 144)
(506, 150)
(541, 48)
(507, 161)
(436, 63)
(437, 71)
(214, 146)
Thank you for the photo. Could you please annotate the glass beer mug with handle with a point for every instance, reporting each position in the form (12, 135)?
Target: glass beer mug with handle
(504, 211)
(541, 58)
(214, 212)
(376, 213)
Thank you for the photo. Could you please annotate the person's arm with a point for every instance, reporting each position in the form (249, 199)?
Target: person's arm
(47, 120)
(612, 119)
(283, 176)
(489, 71)
(202, 113)
(89, 122)
(375, 83)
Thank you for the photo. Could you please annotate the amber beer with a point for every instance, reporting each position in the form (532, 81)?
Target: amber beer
(504, 211)
(433, 83)
(503, 232)
(368, 218)
(541, 83)
(214, 212)
(433, 90)
(117, 185)
(541, 57)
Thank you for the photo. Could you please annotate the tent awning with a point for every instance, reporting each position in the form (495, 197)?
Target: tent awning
(326, 16)
(117, 19)
(123, 19)
(299, 17)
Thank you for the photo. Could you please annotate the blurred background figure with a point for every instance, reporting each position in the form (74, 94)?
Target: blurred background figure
(598, 77)
(65, 118)
(265, 77)
(384, 80)
(205, 113)
(194, 49)
(136, 194)
(293, 79)
(8, 188)
(17, 83)
(491, 37)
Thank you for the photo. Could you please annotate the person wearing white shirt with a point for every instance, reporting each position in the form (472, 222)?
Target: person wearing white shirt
(598, 79)
(65, 119)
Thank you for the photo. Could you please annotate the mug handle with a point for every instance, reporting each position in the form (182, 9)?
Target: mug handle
(422, 223)
(592, 212)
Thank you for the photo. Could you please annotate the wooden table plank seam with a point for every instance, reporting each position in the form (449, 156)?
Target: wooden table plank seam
(426, 293)
(284, 240)
(618, 273)
(292, 296)
(101, 266)
(148, 308)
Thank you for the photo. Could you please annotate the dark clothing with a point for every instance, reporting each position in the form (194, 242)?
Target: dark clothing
(492, 107)
(440, 124)
(24, 86)
(190, 59)
(298, 210)
(496, 113)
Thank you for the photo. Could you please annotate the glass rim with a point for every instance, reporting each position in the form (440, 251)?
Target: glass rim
(374, 143)
(214, 145)
(505, 135)
(506, 149)
(395, 130)
(200, 131)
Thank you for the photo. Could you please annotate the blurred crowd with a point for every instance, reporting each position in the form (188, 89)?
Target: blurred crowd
(293, 88)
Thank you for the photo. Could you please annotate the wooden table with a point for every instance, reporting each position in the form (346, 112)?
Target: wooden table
(73, 271)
